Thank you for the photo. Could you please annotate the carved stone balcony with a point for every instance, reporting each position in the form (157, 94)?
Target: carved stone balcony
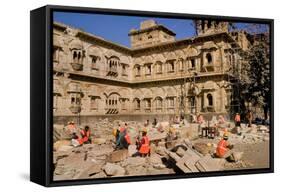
(75, 108)
(77, 66)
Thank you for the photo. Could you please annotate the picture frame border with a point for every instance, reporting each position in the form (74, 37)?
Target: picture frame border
(41, 83)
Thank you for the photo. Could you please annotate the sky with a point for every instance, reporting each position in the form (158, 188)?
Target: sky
(116, 28)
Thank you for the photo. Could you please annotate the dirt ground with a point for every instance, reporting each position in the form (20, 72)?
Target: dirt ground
(255, 155)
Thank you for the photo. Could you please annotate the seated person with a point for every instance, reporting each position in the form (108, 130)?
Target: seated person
(223, 148)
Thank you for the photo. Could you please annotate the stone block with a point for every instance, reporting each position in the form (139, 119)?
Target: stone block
(119, 155)
(208, 163)
(134, 161)
(114, 170)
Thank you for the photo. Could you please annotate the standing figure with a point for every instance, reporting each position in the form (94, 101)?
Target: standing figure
(143, 145)
(249, 117)
(154, 123)
(123, 139)
(237, 120)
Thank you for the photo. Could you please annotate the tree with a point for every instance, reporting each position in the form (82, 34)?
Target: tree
(257, 88)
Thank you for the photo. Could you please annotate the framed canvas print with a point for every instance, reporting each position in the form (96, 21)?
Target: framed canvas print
(122, 95)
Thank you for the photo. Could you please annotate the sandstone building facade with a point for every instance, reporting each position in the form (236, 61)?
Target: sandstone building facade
(157, 76)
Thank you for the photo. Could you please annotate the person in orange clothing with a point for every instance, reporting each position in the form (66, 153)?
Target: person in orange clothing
(123, 139)
(223, 148)
(85, 136)
(143, 145)
(71, 128)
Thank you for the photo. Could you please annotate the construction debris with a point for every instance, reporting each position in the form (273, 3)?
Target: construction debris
(184, 152)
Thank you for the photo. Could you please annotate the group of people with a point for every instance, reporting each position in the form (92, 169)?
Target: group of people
(123, 140)
(122, 137)
(248, 116)
(78, 137)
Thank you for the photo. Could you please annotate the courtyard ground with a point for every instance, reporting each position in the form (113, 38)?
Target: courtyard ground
(175, 149)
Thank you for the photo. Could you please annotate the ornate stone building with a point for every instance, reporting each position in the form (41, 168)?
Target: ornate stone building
(158, 76)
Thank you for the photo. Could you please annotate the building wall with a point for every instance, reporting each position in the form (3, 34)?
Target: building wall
(91, 79)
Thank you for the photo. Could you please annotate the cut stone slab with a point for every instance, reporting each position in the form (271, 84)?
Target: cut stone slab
(155, 159)
(173, 156)
(180, 152)
(135, 170)
(187, 142)
(187, 162)
(159, 166)
(61, 143)
(202, 148)
(208, 163)
(157, 136)
(114, 170)
(99, 141)
(132, 149)
(236, 156)
(64, 148)
(118, 155)
(134, 161)
(92, 170)
(98, 175)
(161, 151)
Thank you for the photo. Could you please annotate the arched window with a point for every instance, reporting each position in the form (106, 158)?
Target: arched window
(158, 67)
(74, 55)
(192, 63)
(137, 70)
(210, 99)
(158, 102)
(137, 104)
(209, 58)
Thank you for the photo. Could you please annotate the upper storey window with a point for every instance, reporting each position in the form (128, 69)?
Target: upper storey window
(113, 63)
(209, 58)
(124, 69)
(77, 59)
(137, 70)
(77, 55)
(148, 69)
(94, 62)
(159, 67)
(171, 66)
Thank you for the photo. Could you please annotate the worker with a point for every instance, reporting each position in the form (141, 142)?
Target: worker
(223, 147)
(200, 119)
(146, 123)
(249, 117)
(85, 135)
(237, 120)
(221, 119)
(71, 128)
(201, 124)
(123, 139)
(154, 123)
(143, 144)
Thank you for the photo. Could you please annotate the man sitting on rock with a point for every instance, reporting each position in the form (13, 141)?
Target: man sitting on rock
(84, 139)
(86, 135)
(123, 139)
(223, 148)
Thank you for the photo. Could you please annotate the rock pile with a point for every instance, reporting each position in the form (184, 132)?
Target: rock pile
(184, 153)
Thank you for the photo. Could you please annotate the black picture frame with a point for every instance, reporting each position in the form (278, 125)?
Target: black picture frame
(41, 94)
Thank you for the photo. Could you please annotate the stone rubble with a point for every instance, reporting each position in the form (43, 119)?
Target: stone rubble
(184, 154)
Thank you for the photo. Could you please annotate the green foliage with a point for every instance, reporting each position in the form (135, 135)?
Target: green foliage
(256, 87)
